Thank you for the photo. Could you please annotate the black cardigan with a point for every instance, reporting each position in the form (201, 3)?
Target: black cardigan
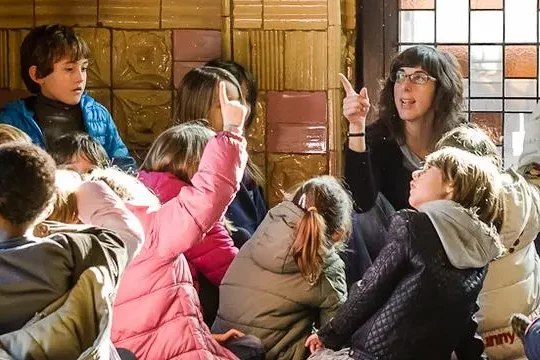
(379, 169)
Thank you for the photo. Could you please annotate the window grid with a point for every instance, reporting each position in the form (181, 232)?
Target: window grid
(514, 102)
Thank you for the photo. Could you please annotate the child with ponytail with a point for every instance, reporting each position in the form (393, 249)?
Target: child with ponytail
(288, 277)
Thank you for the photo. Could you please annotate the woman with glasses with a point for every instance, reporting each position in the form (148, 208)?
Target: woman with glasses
(422, 98)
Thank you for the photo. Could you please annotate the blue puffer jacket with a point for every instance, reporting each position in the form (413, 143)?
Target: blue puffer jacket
(97, 119)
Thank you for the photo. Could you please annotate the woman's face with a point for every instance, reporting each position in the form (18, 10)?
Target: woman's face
(414, 102)
(214, 115)
(428, 185)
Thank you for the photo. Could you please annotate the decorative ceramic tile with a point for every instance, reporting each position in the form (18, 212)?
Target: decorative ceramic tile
(256, 132)
(335, 164)
(16, 38)
(335, 8)
(247, 14)
(74, 12)
(350, 14)
(99, 42)
(142, 59)
(141, 115)
(196, 45)
(102, 96)
(296, 122)
(181, 68)
(226, 8)
(226, 37)
(129, 14)
(286, 170)
(295, 15)
(348, 41)
(4, 59)
(11, 95)
(16, 13)
(191, 14)
(335, 54)
(306, 60)
(336, 122)
(262, 53)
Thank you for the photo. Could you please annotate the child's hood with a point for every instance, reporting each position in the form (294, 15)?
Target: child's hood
(467, 241)
(521, 210)
(271, 243)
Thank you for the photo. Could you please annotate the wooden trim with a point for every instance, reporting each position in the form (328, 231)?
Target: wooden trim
(391, 32)
(378, 31)
(370, 49)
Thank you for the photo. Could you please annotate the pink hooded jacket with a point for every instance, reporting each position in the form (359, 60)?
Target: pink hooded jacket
(214, 254)
(157, 313)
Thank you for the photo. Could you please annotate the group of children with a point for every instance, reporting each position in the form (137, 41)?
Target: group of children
(178, 258)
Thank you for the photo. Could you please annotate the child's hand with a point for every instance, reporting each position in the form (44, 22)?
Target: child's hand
(314, 343)
(231, 334)
(233, 112)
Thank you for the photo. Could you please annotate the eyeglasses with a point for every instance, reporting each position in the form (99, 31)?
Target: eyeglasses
(418, 78)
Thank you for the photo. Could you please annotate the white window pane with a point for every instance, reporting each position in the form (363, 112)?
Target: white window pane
(486, 26)
(450, 13)
(482, 105)
(513, 137)
(486, 71)
(520, 87)
(519, 105)
(417, 27)
(520, 21)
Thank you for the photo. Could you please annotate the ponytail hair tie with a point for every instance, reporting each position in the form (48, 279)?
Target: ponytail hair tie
(312, 209)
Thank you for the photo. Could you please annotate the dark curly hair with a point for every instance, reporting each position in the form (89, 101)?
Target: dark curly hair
(46, 45)
(448, 103)
(27, 182)
(68, 146)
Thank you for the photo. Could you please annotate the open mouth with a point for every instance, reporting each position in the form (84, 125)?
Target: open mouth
(407, 102)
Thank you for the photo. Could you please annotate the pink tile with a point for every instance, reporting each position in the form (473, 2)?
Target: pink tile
(296, 138)
(7, 95)
(181, 68)
(291, 107)
(296, 122)
(196, 45)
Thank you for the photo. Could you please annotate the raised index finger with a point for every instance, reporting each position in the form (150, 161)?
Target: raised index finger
(223, 98)
(349, 90)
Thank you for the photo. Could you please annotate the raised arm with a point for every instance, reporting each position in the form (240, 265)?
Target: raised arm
(198, 207)
(359, 172)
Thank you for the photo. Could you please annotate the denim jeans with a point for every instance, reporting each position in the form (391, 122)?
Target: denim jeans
(246, 348)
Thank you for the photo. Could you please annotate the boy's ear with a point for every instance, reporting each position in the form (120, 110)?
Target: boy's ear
(32, 71)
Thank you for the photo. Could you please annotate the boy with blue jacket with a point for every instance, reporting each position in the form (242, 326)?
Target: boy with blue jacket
(54, 63)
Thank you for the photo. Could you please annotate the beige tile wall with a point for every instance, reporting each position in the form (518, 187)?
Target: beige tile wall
(289, 45)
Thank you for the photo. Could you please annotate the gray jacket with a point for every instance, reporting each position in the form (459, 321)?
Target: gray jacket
(264, 294)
